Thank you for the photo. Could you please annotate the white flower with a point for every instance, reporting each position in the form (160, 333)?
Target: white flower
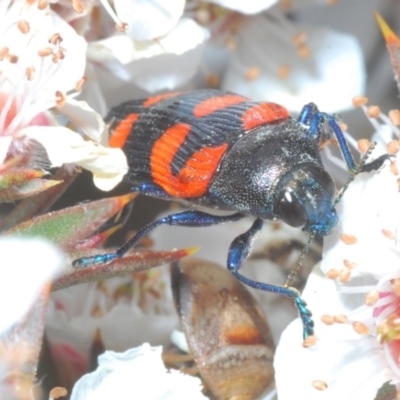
(42, 58)
(279, 61)
(153, 65)
(136, 373)
(148, 20)
(245, 7)
(155, 49)
(27, 265)
(352, 366)
(124, 312)
(357, 350)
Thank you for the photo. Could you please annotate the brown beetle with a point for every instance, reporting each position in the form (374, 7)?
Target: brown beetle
(226, 330)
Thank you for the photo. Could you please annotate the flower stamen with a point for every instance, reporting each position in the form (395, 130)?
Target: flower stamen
(373, 111)
(348, 239)
(43, 4)
(319, 385)
(361, 328)
(23, 26)
(363, 145)
(371, 298)
(394, 116)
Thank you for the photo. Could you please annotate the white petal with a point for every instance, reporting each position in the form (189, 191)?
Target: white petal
(352, 366)
(5, 142)
(92, 93)
(369, 205)
(245, 7)
(43, 24)
(64, 146)
(185, 36)
(108, 168)
(27, 264)
(87, 119)
(153, 66)
(155, 329)
(148, 20)
(267, 45)
(136, 373)
(71, 319)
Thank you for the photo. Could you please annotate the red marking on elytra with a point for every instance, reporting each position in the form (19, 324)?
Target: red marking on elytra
(156, 99)
(121, 132)
(193, 179)
(263, 113)
(216, 103)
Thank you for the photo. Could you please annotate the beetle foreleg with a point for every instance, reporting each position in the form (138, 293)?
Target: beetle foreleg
(344, 147)
(307, 113)
(238, 252)
(316, 125)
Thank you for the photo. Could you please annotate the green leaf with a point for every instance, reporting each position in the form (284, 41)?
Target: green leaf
(387, 391)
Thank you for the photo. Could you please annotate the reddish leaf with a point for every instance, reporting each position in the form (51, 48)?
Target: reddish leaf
(393, 45)
(25, 190)
(69, 226)
(18, 176)
(135, 262)
(40, 203)
(96, 239)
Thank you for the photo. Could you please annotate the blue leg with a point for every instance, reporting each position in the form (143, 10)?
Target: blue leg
(238, 252)
(186, 218)
(306, 113)
(151, 189)
(312, 117)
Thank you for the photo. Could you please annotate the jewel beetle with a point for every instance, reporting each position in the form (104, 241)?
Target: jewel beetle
(224, 151)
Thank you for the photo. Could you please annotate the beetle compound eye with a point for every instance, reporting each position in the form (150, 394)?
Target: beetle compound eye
(290, 210)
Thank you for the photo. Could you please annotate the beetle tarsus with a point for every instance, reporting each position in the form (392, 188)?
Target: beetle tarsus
(305, 315)
(376, 164)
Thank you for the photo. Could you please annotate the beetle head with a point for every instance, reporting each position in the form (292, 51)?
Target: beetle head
(305, 197)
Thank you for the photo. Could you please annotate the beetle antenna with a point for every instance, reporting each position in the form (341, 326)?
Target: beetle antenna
(354, 173)
(299, 262)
